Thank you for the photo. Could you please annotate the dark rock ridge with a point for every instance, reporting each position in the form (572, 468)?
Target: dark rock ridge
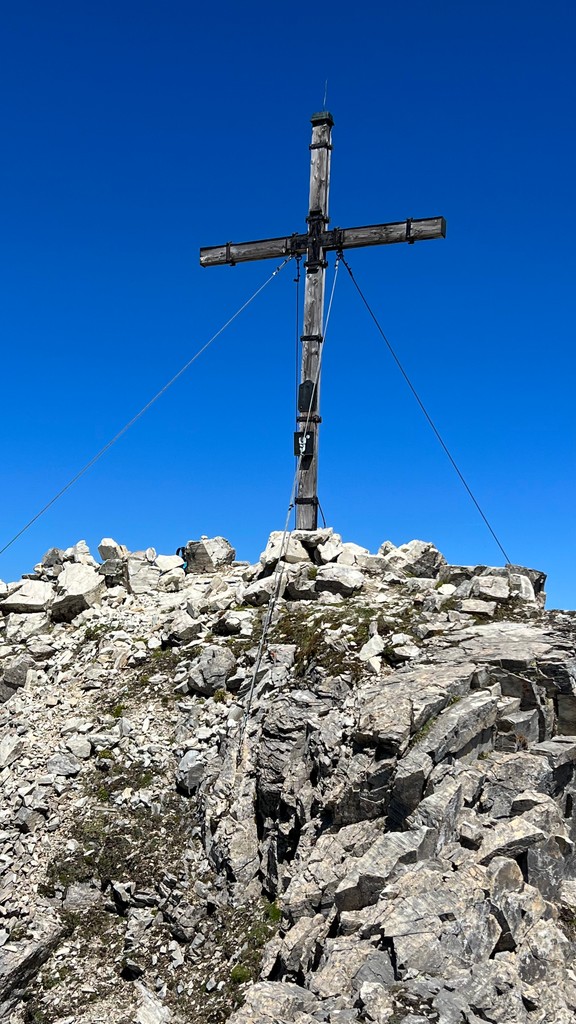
(388, 835)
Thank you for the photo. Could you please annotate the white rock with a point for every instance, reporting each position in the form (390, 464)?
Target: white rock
(21, 627)
(372, 648)
(108, 548)
(331, 549)
(339, 579)
(521, 587)
(79, 746)
(31, 596)
(143, 576)
(352, 554)
(294, 550)
(151, 1010)
(492, 588)
(167, 562)
(475, 606)
(417, 558)
(172, 581)
(78, 587)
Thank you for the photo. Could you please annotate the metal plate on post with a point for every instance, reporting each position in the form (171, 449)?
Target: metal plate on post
(303, 443)
(307, 396)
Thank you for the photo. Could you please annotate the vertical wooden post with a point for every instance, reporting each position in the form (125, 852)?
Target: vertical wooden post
(312, 338)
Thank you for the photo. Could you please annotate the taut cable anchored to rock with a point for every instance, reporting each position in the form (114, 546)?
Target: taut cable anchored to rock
(431, 423)
(144, 409)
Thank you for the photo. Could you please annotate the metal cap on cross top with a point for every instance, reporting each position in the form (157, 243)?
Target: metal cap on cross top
(314, 244)
(322, 117)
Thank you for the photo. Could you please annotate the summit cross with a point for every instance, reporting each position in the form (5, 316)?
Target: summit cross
(314, 244)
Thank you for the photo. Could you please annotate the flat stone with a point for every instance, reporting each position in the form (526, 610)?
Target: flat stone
(18, 966)
(293, 550)
(367, 875)
(167, 562)
(78, 587)
(508, 839)
(11, 747)
(32, 596)
(339, 579)
(475, 606)
(459, 725)
(63, 764)
(491, 588)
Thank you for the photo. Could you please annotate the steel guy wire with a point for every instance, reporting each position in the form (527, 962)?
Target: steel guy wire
(144, 409)
(424, 410)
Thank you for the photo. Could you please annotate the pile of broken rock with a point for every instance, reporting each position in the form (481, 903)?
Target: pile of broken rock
(388, 835)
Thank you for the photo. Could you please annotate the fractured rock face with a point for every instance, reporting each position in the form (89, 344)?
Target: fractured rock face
(32, 596)
(391, 776)
(78, 587)
(207, 554)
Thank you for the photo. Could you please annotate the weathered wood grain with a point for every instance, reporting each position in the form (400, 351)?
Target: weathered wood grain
(417, 230)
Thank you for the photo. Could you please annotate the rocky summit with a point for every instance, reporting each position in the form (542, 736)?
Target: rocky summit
(366, 817)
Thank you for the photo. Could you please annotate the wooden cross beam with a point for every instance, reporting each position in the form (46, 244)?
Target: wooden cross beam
(317, 241)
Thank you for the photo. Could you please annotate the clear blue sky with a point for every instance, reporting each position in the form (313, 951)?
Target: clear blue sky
(133, 133)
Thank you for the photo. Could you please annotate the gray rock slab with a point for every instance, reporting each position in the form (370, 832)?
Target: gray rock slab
(15, 670)
(32, 596)
(367, 876)
(11, 746)
(143, 576)
(211, 670)
(490, 588)
(109, 548)
(78, 587)
(207, 554)
(339, 579)
(508, 839)
(460, 725)
(63, 764)
(19, 966)
(380, 720)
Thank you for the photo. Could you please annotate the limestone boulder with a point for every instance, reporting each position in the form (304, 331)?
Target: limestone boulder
(109, 548)
(211, 670)
(78, 587)
(143, 575)
(417, 558)
(290, 548)
(339, 579)
(207, 554)
(32, 596)
(190, 772)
